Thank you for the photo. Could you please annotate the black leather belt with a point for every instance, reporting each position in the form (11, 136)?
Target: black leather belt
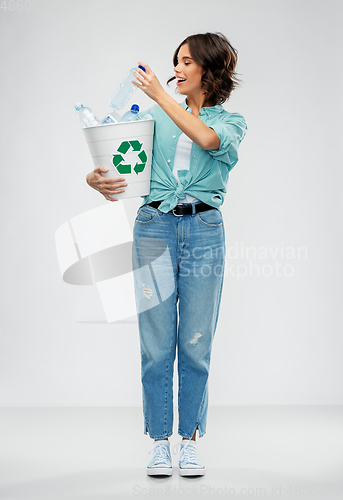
(184, 209)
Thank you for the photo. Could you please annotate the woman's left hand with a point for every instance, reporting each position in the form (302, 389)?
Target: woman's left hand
(149, 83)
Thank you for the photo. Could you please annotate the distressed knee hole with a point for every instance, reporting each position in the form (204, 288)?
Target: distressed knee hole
(196, 337)
(147, 291)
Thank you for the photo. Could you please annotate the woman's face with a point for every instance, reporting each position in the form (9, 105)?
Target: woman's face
(188, 73)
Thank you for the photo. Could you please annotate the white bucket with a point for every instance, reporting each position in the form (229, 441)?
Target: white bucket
(126, 150)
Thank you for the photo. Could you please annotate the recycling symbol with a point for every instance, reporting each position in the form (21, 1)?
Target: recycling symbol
(129, 147)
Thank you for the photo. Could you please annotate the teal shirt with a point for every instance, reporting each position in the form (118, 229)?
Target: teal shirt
(209, 169)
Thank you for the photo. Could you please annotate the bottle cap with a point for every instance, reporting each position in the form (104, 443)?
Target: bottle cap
(142, 67)
(78, 105)
(134, 108)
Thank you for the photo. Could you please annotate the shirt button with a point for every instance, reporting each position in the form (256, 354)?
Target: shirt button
(174, 136)
(168, 161)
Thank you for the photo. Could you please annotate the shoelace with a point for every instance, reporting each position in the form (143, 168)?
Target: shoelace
(187, 453)
(161, 453)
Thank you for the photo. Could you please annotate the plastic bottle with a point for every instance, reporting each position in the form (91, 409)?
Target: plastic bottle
(125, 91)
(111, 117)
(131, 115)
(86, 115)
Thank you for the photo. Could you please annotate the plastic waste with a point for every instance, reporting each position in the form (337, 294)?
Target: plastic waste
(124, 92)
(86, 115)
(111, 117)
(131, 115)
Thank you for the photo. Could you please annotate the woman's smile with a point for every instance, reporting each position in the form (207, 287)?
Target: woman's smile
(180, 81)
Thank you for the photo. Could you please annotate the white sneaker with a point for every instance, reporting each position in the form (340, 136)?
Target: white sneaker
(161, 463)
(189, 464)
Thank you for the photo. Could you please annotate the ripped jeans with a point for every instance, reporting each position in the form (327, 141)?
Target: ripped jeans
(178, 264)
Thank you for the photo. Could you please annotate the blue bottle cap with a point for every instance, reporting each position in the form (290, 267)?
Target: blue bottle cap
(134, 108)
(142, 67)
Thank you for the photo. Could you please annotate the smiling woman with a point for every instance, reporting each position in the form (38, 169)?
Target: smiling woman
(179, 234)
(217, 60)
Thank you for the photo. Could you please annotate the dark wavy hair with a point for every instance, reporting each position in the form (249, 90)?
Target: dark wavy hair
(218, 58)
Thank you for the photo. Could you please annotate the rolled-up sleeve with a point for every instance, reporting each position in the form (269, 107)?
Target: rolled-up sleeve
(231, 132)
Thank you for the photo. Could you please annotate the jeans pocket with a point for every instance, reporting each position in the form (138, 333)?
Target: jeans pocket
(146, 214)
(210, 218)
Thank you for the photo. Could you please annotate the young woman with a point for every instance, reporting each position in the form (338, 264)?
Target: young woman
(179, 240)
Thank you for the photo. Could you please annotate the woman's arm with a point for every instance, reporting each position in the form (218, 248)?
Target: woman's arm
(190, 125)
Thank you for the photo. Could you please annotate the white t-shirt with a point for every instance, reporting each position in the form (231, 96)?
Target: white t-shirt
(182, 161)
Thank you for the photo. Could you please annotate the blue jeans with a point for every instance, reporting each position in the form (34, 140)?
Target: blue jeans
(178, 264)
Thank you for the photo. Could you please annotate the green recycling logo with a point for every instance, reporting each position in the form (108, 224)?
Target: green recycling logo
(129, 147)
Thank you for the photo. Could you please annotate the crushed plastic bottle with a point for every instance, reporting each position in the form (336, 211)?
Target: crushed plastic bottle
(86, 115)
(111, 117)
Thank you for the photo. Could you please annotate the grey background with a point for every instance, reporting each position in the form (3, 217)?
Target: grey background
(279, 338)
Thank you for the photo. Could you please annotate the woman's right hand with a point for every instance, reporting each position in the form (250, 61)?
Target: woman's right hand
(104, 185)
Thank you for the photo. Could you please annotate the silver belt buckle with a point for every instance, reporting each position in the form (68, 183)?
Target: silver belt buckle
(177, 215)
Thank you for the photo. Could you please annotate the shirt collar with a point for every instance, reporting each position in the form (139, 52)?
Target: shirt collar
(207, 110)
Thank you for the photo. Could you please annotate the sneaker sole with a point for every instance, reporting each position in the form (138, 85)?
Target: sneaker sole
(191, 472)
(159, 471)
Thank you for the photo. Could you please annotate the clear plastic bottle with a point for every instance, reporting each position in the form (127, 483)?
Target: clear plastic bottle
(132, 115)
(111, 117)
(86, 115)
(124, 92)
